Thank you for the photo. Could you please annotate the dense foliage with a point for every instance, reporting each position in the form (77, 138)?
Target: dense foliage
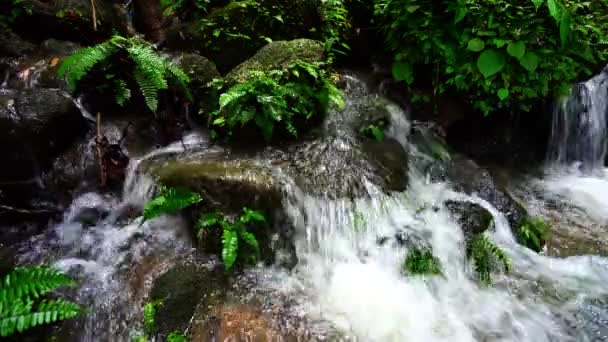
(421, 261)
(486, 257)
(170, 201)
(285, 100)
(21, 304)
(126, 64)
(235, 235)
(497, 53)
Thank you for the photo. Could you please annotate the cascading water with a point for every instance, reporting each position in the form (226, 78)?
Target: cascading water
(579, 133)
(348, 278)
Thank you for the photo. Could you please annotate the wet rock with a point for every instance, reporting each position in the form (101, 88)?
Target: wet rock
(12, 45)
(89, 216)
(200, 69)
(472, 217)
(276, 55)
(470, 178)
(185, 289)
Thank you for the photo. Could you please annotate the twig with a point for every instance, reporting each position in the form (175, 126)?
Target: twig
(102, 173)
(94, 15)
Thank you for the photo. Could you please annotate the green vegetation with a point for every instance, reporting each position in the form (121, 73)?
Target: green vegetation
(234, 234)
(126, 65)
(11, 10)
(336, 26)
(291, 97)
(375, 130)
(534, 233)
(176, 336)
(189, 9)
(170, 201)
(421, 261)
(497, 53)
(487, 257)
(21, 304)
(150, 317)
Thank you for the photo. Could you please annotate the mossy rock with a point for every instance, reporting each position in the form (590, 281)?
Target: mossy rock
(231, 34)
(276, 55)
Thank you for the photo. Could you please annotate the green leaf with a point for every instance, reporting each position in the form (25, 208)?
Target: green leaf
(554, 9)
(252, 216)
(490, 62)
(503, 93)
(170, 201)
(377, 133)
(252, 242)
(412, 8)
(517, 49)
(230, 246)
(537, 3)
(476, 45)
(564, 30)
(461, 13)
(529, 61)
(403, 71)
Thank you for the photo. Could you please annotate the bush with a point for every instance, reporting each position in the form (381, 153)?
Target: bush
(291, 97)
(125, 65)
(499, 53)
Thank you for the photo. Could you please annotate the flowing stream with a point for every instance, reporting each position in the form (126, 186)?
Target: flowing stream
(345, 280)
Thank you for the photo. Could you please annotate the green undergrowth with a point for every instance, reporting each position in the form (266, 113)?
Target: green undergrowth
(170, 201)
(487, 258)
(123, 67)
(533, 233)
(281, 102)
(239, 244)
(496, 54)
(375, 130)
(421, 261)
(23, 305)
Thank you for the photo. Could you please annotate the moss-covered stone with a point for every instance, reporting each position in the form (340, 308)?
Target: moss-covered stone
(200, 69)
(276, 55)
(231, 34)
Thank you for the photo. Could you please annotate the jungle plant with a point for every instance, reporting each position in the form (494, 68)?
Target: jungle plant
(533, 233)
(11, 10)
(126, 64)
(150, 317)
(336, 25)
(170, 201)
(486, 257)
(291, 97)
(421, 261)
(22, 305)
(498, 53)
(375, 130)
(234, 234)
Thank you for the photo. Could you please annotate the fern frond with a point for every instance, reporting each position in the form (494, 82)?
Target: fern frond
(19, 316)
(31, 283)
(76, 66)
(149, 73)
(484, 252)
(122, 92)
(170, 201)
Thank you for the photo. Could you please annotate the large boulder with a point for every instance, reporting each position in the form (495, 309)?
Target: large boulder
(198, 68)
(233, 33)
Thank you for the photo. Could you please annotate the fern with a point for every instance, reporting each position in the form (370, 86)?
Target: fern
(150, 71)
(234, 234)
(485, 254)
(422, 261)
(276, 98)
(150, 317)
(533, 233)
(18, 292)
(170, 201)
(176, 336)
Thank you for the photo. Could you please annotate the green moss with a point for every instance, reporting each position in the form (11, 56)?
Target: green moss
(421, 261)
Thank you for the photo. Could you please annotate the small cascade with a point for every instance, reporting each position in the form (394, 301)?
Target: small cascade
(579, 133)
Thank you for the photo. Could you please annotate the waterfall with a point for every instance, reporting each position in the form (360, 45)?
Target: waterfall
(579, 132)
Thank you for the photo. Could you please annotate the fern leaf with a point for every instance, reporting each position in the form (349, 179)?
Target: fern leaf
(123, 93)
(31, 283)
(149, 73)
(230, 246)
(76, 66)
(251, 241)
(250, 215)
(20, 317)
(170, 201)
